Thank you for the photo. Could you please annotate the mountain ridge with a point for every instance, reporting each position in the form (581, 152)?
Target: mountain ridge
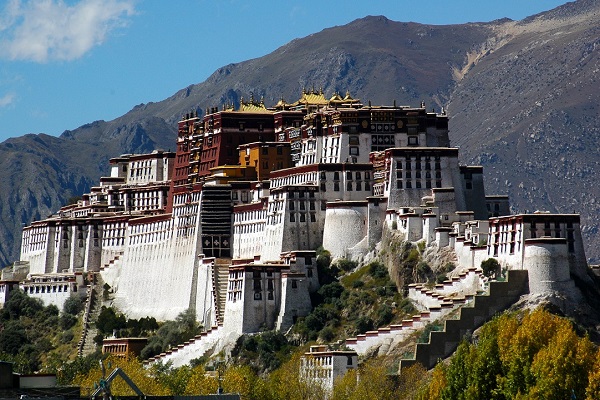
(490, 76)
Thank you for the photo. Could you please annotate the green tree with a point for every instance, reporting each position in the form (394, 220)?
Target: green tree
(490, 267)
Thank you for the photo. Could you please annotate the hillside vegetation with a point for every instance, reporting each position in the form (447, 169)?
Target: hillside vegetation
(527, 355)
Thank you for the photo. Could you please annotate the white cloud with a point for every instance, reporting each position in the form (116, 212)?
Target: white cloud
(43, 30)
(7, 99)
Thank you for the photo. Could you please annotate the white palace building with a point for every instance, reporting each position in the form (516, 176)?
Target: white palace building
(229, 224)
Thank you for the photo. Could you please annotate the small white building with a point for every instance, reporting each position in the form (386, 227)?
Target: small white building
(322, 366)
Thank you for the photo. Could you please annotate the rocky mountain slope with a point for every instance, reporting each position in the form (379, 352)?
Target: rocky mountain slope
(521, 96)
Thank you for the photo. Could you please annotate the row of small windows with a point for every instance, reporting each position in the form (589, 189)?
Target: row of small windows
(418, 184)
(336, 175)
(302, 217)
(349, 186)
(302, 205)
(418, 165)
(418, 175)
(48, 289)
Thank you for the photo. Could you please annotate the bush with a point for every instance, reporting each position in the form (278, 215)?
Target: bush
(327, 334)
(74, 305)
(377, 270)
(384, 315)
(407, 306)
(12, 337)
(358, 284)
(331, 291)
(363, 324)
(67, 321)
(108, 321)
(346, 265)
(490, 267)
(66, 337)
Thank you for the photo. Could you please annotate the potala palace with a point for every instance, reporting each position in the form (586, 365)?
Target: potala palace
(228, 225)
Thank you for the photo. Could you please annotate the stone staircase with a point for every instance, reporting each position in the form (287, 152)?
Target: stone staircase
(441, 344)
(432, 302)
(93, 304)
(220, 283)
(386, 338)
(112, 261)
(194, 348)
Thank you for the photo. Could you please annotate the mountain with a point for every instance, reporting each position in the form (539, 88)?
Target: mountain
(522, 98)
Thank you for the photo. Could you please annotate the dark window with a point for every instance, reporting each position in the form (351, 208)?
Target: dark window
(336, 186)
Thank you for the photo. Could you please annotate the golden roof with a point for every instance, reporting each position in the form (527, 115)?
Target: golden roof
(313, 98)
(336, 98)
(350, 99)
(253, 106)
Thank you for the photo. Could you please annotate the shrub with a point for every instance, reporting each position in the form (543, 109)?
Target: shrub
(384, 315)
(490, 267)
(108, 321)
(331, 291)
(66, 337)
(363, 324)
(67, 321)
(377, 270)
(358, 284)
(327, 334)
(346, 265)
(73, 305)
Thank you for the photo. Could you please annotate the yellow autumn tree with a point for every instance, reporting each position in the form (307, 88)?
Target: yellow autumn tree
(537, 355)
(371, 381)
(134, 370)
(286, 383)
(433, 389)
(201, 383)
(562, 367)
(592, 391)
(243, 381)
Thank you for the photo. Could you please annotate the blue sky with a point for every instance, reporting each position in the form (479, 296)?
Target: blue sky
(64, 63)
